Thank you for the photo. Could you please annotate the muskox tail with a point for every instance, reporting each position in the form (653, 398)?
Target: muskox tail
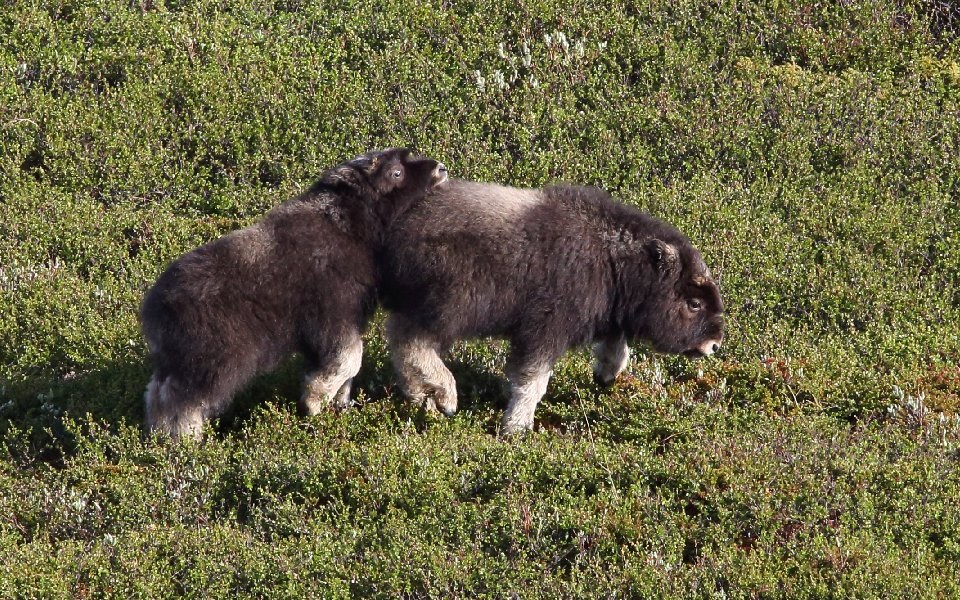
(171, 409)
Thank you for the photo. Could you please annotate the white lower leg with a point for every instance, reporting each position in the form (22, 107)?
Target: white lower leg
(343, 399)
(527, 387)
(171, 416)
(324, 387)
(423, 376)
(611, 356)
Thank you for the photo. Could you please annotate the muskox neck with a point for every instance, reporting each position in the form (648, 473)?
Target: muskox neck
(345, 207)
(632, 292)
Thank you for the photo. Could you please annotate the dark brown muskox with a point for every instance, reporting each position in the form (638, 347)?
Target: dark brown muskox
(302, 279)
(548, 269)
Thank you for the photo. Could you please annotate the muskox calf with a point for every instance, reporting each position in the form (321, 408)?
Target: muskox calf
(302, 279)
(547, 269)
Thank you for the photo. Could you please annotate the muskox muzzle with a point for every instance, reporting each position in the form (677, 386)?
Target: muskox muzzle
(705, 349)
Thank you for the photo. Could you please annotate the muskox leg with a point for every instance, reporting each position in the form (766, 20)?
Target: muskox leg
(342, 399)
(528, 378)
(423, 376)
(328, 385)
(611, 356)
(172, 409)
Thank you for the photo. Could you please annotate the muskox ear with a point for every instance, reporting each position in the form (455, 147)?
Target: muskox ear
(662, 254)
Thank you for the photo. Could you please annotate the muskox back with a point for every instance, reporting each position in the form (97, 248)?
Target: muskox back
(474, 259)
(547, 269)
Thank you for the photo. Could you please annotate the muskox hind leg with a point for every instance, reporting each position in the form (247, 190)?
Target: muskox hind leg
(611, 356)
(423, 376)
(173, 408)
(328, 383)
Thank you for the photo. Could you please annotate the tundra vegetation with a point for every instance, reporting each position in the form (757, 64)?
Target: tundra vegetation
(810, 150)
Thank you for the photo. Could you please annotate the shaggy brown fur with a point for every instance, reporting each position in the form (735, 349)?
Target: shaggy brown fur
(547, 269)
(303, 279)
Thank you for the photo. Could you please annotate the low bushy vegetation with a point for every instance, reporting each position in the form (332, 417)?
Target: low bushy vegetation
(810, 150)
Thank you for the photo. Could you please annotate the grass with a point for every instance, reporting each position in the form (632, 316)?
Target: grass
(809, 150)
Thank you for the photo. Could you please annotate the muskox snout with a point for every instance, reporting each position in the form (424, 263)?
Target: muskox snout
(705, 349)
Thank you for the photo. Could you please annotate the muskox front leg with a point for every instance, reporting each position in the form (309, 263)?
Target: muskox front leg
(422, 374)
(528, 378)
(611, 356)
(328, 384)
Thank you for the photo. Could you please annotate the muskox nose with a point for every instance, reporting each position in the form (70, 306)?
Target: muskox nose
(709, 347)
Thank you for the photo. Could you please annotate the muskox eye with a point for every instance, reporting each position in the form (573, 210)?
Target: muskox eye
(694, 304)
(397, 174)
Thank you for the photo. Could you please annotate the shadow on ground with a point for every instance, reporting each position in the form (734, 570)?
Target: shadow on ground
(113, 395)
(39, 404)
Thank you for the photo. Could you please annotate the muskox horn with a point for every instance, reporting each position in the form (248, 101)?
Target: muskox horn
(368, 162)
(662, 254)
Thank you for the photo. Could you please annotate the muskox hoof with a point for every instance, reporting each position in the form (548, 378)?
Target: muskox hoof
(447, 412)
(514, 428)
(341, 404)
(604, 381)
(313, 404)
(446, 407)
(435, 399)
(432, 403)
(343, 401)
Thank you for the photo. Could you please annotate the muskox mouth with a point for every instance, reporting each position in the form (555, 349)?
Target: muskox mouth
(706, 349)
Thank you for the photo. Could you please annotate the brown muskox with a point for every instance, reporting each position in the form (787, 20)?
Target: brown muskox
(547, 269)
(302, 279)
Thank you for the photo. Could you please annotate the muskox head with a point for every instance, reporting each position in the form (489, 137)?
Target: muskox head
(394, 173)
(683, 313)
